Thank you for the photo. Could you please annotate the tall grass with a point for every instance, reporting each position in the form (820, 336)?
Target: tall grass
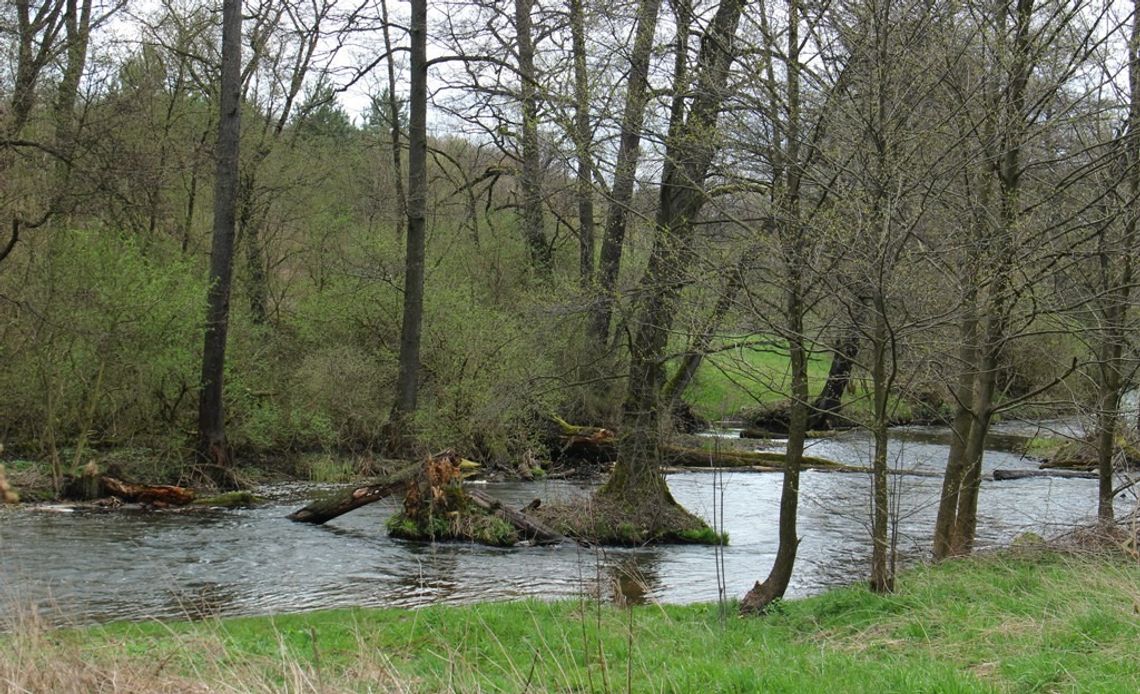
(1035, 620)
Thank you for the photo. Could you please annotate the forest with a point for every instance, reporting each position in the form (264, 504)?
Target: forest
(235, 234)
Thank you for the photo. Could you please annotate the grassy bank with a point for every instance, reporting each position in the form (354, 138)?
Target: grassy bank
(732, 382)
(1031, 621)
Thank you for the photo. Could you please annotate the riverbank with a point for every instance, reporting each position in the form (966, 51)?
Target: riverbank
(1028, 620)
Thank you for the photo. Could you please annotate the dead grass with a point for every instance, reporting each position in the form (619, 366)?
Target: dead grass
(37, 658)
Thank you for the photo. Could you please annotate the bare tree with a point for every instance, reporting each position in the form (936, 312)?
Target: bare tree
(1021, 79)
(583, 144)
(691, 146)
(794, 245)
(1116, 259)
(407, 385)
(625, 171)
(212, 443)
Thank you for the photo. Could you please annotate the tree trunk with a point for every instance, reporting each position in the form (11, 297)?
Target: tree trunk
(1116, 289)
(78, 22)
(531, 183)
(212, 443)
(408, 380)
(250, 220)
(1004, 475)
(636, 478)
(621, 192)
(582, 142)
(528, 528)
(151, 494)
(882, 573)
(786, 199)
(675, 387)
(394, 115)
(825, 409)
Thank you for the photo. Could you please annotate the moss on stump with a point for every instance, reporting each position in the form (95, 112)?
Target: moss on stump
(606, 520)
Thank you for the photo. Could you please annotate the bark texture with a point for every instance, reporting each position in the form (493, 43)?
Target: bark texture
(212, 443)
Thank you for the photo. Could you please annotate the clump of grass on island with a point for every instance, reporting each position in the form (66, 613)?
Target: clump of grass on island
(1030, 620)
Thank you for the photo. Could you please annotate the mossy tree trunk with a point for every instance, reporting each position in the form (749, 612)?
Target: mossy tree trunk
(533, 224)
(582, 145)
(692, 144)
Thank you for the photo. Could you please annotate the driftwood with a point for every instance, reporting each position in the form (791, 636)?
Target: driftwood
(528, 528)
(592, 444)
(152, 494)
(428, 488)
(1001, 475)
(341, 502)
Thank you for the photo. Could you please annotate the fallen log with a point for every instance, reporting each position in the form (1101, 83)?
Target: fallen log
(597, 444)
(527, 527)
(150, 494)
(591, 444)
(900, 472)
(705, 457)
(342, 501)
(1002, 475)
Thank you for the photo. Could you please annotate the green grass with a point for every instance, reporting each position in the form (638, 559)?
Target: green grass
(734, 381)
(1045, 447)
(1024, 622)
(730, 381)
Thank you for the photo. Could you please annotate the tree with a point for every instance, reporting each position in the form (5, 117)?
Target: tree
(407, 384)
(793, 243)
(531, 165)
(691, 146)
(212, 443)
(1026, 52)
(1116, 259)
(583, 140)
(625, 170)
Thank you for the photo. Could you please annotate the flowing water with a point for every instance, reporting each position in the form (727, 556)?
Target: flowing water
(95, 566)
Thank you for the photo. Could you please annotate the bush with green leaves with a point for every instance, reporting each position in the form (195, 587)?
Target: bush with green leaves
(98, 336)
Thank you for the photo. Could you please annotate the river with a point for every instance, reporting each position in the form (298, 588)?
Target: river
(84, 567)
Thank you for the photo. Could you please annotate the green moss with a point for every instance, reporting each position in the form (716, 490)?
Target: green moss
(703, 536)
(604, 520)
(492, 530)
(468, 526)
(1044, 447)
(402, 527)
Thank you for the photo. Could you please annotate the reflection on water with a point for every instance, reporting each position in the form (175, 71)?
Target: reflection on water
(99, 566)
